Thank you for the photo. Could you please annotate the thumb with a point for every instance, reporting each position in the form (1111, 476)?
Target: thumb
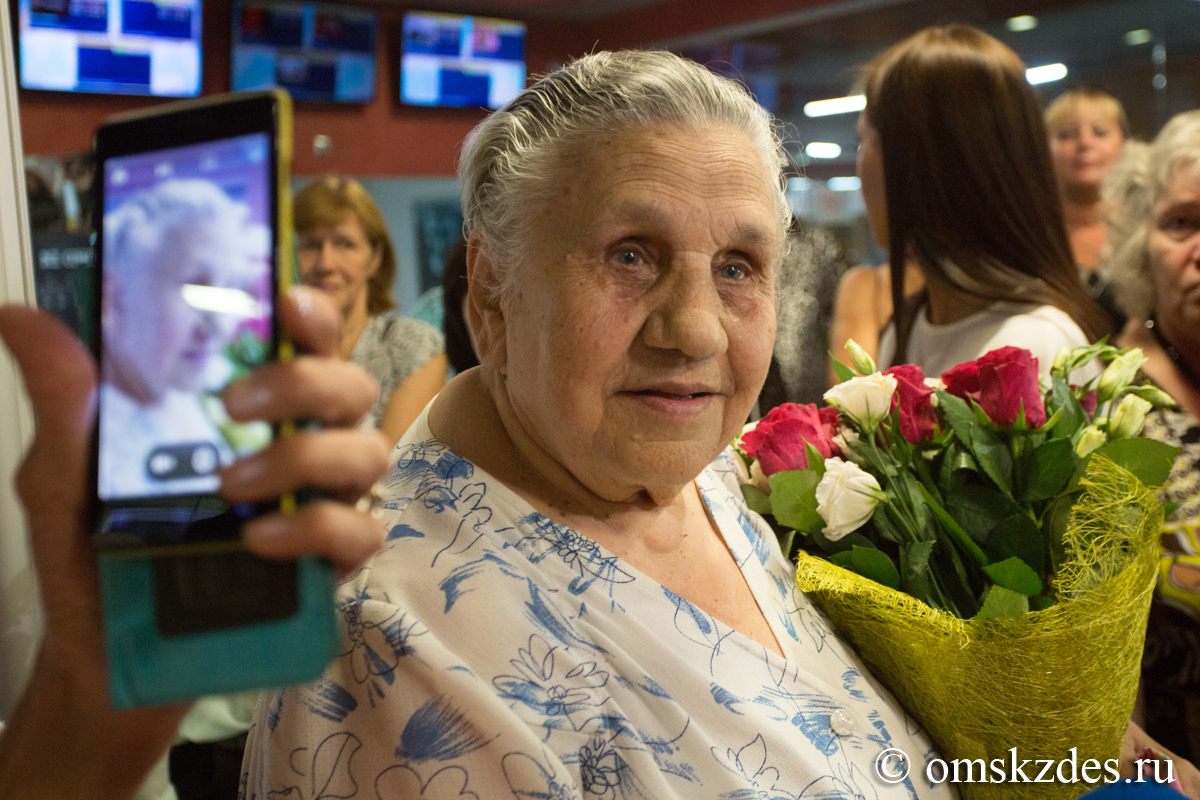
(60, 378)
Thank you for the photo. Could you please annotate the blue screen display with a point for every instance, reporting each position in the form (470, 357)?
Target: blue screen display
(455, 60)
(315, 51)
(113, 46)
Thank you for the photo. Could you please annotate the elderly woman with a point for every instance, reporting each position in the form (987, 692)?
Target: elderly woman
(573, 600)
(1156, 268)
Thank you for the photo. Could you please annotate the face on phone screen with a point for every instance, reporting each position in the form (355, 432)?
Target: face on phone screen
(186, 307)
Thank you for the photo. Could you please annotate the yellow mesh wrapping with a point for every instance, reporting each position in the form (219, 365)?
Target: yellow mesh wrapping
(1052, 680)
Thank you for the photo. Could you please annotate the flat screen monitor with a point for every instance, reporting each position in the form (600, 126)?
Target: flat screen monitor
(455, 60)
(315, 51)
(147, 47)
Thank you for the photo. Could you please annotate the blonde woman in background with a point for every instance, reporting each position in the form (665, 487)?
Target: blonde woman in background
(344, 251)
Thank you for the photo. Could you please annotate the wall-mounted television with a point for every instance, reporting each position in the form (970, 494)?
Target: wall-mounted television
(115, 46)
(315, 51)
(455, 60)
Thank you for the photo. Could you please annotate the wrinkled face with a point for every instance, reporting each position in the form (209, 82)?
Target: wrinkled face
(1174, 249)
(639, 336)
(155, 338)
(339, 261)
(870, 172)
(1085, 144)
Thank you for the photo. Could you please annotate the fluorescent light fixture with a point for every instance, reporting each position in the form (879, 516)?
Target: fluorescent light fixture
(1140, 36)
(1046, 74)
(799, 184)
(850, 184)
(1021, 23)
(823, 150)
(222, 300)
(838, 105)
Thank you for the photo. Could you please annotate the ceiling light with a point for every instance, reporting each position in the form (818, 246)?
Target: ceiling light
(823, 150)
(850, 184)
(1140, 36)
(838, 105)
(1046, 74)
(1021, 23)
(799, 184)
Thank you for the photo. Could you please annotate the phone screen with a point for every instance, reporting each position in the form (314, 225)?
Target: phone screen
(186, 307)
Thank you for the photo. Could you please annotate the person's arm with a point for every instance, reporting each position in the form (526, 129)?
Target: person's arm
(855, 316)
(408, 400)
(64, 740)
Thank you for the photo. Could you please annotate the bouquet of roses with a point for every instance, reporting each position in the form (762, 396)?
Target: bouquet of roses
(985, 539)
(954, 490)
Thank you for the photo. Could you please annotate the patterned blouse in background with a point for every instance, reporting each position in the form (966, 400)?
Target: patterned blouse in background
(1171, 662)
(391, 348)
(489, 652)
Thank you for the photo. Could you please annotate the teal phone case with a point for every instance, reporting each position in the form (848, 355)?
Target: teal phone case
(146, 668)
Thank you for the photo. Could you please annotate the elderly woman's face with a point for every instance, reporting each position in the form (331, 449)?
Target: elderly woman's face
(1174, 248)
(639, 335)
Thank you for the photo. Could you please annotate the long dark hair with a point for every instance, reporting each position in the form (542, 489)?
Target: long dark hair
(970, 188)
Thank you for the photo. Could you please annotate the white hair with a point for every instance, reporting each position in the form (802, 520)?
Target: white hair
(136, 232)
(1131, 189)
(511, 162)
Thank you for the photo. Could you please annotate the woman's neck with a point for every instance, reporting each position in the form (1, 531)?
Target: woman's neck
(499, 443)
(946, 303)
(354, 322)
(1173, 367)
(1081, 204)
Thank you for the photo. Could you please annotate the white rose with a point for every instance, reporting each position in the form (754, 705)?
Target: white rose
(866, 400)
(758, 479)
(846, 497)
(844, 438)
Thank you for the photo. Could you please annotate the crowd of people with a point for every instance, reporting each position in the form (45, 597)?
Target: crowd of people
(560, 591)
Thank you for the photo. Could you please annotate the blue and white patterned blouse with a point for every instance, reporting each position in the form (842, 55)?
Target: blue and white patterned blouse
(489, 652)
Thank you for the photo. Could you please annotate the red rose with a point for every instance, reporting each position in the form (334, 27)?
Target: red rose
(1008, 382)
(917, 418)
(778, 439)
(830, 420)
(1088, 401)
(962, 380)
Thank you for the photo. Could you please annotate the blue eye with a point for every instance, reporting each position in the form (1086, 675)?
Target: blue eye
(629, 258)
(733, 272)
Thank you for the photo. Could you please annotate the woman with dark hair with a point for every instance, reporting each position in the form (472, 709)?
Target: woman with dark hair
(956, 177)
(344, 250)
(460, 346)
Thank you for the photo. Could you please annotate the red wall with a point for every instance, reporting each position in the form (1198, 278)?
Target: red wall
(383, 138)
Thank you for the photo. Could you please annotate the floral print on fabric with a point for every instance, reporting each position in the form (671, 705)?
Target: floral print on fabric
(489, 651)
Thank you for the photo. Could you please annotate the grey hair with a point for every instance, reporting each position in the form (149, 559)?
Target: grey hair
(511, 162)
(1131, 189)
(136, 231)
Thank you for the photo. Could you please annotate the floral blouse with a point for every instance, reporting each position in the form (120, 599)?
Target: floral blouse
(489, 652)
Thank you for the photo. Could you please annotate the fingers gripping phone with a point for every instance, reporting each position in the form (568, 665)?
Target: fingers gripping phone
(193, 248)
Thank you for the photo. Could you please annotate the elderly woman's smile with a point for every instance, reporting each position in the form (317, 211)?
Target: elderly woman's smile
(646, 313)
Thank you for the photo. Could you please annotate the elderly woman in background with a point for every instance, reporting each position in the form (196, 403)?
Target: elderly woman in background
(1156, 269)
(574, 600)
(344, 250)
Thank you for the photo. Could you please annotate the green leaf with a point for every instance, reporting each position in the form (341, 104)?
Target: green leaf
(1017, 536)
(843, 372)
(1001, 603)
(956, 466)
(994, 457)
(816, 461)
(875, 564)
(914, 570)
(978, 508)
(794, 499)
(756, 501)
(852, 539)
(1014, 574)
(1147, 459)
(1054, 526)
(1040, 603)
(1171, 507)
(1049, 470)
(959, 415)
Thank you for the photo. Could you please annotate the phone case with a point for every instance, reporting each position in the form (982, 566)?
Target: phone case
(149, 668)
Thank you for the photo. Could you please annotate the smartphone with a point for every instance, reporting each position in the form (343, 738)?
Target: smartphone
(192, 249)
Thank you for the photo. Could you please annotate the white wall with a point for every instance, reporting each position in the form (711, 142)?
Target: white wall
(20, 612)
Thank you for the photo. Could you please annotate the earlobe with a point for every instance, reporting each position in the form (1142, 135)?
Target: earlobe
(485, 316)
